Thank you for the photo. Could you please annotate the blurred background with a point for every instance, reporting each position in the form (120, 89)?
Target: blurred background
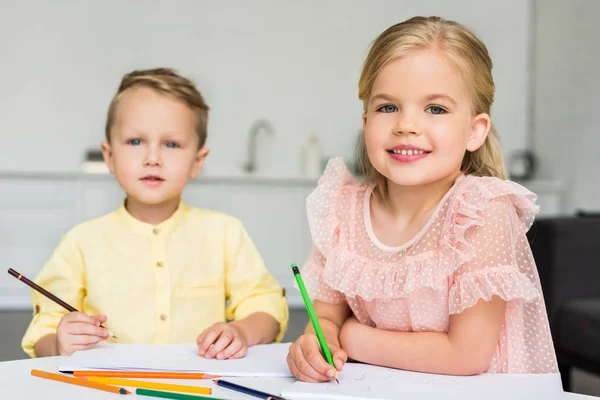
(281, 79)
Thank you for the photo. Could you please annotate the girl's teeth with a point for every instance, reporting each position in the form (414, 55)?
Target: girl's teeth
(408, 152)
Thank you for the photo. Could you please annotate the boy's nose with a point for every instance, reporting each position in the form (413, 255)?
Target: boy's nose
(153, 158)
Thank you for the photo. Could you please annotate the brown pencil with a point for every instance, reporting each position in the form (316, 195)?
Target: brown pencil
(46, 293)
(78, 381)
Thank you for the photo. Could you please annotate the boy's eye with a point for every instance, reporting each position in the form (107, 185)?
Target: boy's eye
(134, 142)
(436, 110)
(172, 145)
(387, 108)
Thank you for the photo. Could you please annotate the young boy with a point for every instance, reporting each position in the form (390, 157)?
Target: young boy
(157, 271)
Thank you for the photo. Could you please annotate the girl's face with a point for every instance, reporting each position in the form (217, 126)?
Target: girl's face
(418, 122)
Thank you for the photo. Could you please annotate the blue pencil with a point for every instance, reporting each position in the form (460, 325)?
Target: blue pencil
(246, 390)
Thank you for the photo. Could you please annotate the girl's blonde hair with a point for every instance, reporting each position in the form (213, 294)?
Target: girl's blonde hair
(467, 53)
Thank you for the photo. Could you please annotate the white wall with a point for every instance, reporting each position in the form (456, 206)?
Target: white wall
(566, 97)
(295, 62)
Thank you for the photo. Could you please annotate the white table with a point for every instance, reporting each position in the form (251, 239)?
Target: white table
(16, 383)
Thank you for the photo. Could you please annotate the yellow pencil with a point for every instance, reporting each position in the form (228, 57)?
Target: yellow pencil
(151, 385)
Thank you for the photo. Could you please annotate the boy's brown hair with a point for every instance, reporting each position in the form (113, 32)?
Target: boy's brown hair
(168, 82)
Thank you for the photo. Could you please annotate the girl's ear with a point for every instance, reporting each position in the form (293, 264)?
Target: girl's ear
(479, 130)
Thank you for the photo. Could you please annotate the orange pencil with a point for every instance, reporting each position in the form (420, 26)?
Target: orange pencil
(144, 374)
(80, 382)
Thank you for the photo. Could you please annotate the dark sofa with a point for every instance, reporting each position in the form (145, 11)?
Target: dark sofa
(567, 254)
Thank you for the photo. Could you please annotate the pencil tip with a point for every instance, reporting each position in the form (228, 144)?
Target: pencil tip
(338, 382)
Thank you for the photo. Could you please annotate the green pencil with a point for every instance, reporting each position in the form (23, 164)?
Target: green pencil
(171, 395)
(314, 319)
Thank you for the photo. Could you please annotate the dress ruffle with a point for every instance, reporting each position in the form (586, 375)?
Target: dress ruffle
(354, 275)
(506, 282)
(322, 204)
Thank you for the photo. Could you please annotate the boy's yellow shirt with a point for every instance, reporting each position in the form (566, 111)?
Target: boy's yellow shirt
(156, 284)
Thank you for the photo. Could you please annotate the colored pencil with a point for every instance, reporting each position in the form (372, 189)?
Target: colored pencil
(78, 381)
(46, 293)
(144, 374)
(151, 385)
(171, 395)
(246, 390)
(314, 319)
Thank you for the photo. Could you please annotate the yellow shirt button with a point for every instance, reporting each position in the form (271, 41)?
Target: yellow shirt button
(156, 231)
(163, 317)
(159, 264)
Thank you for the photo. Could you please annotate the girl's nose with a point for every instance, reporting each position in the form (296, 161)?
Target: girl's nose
(406, 124)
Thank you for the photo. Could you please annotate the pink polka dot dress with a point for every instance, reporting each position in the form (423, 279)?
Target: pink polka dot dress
(472, 247)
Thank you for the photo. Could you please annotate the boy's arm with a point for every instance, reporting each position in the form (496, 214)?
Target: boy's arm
(46, 346)
(62, 276)
(466, 349)
(256, 302)
(257, 328)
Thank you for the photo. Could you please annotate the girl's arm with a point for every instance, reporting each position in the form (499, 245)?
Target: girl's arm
(331, 318)
(466, 349)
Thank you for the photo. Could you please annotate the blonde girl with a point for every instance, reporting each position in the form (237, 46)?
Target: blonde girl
(425, 265)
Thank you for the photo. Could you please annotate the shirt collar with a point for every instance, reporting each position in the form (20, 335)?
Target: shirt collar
(145, 229)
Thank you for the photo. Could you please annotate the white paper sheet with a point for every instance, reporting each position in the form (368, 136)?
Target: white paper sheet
(359, 381)
(261, 361)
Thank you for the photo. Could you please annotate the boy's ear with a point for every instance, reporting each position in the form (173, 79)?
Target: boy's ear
(108, 156)
(199, 162)
(479, 130)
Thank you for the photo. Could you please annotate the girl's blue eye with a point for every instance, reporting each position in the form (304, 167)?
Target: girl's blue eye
(172, 145)
(436, 110)
(387, 108)
(135, 142)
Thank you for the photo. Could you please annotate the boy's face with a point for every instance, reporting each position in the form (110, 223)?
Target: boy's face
(153, 150)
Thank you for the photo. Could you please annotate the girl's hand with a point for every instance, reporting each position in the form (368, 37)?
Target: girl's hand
(222, 341)
(78, 331)
(308, 364)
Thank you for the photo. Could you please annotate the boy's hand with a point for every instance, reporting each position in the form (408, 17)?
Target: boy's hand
(222, 341)
(308, 364)
(78, 331)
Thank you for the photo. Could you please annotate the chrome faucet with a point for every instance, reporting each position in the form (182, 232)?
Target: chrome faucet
(255, 129)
